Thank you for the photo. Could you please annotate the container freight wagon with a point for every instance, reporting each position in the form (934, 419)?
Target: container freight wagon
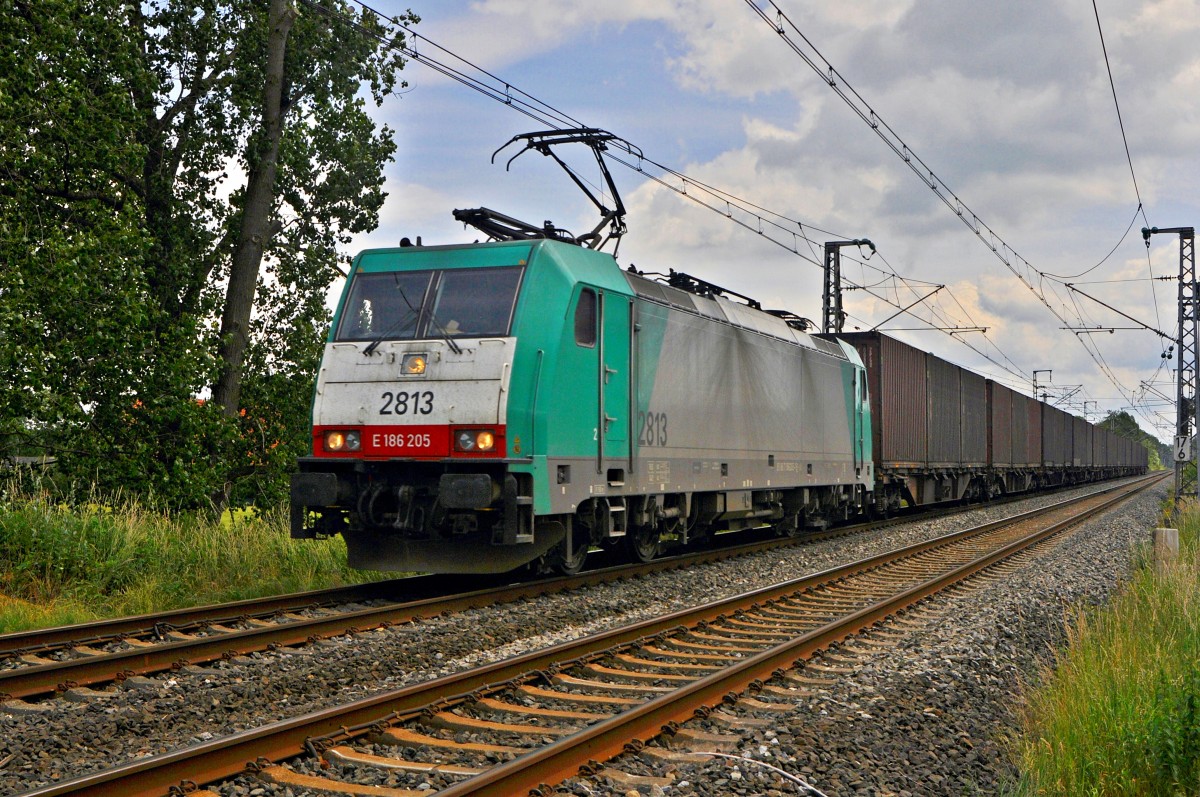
(929, 424)
(1000, 426)
(943, 433)
(1105, 453)
(1012, 465)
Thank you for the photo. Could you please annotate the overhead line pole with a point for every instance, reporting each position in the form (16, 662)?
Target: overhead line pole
(832, 315)
(1186, 346)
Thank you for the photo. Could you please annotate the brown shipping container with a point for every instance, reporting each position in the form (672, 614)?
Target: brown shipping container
(896, 380)
(1081, 442)
(1069, 436)
(1000, 425)
(945, 418)
(1034, 431)
(1020, 429)
(1056, 436)
(973, 393)
(1104, 447)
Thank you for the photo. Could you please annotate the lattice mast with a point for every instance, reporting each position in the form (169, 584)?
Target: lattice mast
(833, 318)
(1185, 364)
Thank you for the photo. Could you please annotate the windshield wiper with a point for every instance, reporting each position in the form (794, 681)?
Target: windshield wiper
(454, 347)
(412, 311)
(374, 344)
(445, 335)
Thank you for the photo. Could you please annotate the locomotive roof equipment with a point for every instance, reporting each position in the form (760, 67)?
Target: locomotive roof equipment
(500, 227)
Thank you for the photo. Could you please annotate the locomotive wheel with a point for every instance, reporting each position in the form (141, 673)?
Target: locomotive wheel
(568, 567)
(556, 559)
(642, 543)
(790, 526)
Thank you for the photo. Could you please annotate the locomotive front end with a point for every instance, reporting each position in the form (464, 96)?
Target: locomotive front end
(410, 441)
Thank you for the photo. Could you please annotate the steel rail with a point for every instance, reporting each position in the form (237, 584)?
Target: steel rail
(103, 631)
(225, 757)
(118, 628)
(406, 589)
(400, 589)
(559, 760)
(36, 680)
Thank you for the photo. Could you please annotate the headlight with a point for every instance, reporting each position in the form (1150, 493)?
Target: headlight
(343, 441)
(471, 440)
(413, 364)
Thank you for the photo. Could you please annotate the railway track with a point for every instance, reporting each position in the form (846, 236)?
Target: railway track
(536, 718)
(39, 663)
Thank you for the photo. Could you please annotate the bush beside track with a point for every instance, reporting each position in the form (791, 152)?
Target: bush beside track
(1120, 714)
(69, 564)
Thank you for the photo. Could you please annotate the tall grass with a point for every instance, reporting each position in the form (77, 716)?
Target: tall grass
(1121, 713)
(65, 564)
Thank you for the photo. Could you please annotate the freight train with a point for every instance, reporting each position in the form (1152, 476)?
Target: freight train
(515, 403)
(488, 406)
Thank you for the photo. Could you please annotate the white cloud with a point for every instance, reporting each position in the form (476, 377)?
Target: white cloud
(1009, 103)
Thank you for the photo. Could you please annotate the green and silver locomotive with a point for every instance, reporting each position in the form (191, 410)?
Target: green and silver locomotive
(487, 406)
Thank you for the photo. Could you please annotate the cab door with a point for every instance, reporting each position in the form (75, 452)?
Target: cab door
(614, 381)
(862, 422)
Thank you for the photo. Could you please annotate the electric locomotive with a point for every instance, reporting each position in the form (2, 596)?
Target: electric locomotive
(517, 402)
(486, 406)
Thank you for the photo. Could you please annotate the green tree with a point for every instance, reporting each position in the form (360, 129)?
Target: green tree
(160, 164)
(73, 346)
(1125, 425)
(1153, 460)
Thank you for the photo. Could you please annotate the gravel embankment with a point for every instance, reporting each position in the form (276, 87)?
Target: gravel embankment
(931, 716)
(967, 668)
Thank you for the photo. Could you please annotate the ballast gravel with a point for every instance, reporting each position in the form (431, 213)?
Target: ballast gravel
(928, 717)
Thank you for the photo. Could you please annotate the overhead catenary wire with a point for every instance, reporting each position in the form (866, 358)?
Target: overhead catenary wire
(776, 227)
(1128, 157)
(1033, 279)
(1120, 120)
(780, 229)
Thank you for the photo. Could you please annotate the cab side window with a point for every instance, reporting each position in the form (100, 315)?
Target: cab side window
(585, 318)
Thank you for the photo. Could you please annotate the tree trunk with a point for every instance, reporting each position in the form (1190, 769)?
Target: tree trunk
(257, 226)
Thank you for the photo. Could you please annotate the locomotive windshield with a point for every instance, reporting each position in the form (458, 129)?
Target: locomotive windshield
(407, 305)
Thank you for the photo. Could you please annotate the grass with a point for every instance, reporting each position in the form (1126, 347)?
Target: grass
(62, 565)
(1120, 715)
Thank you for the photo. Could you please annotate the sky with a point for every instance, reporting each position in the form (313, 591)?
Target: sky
(1009, 105)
